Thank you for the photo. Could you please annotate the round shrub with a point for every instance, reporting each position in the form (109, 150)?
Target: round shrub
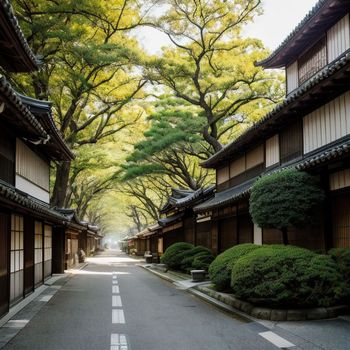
(289, 198)
(287, 276)
(173, 254)
(220, 268)
(342, 258)
(189, 256)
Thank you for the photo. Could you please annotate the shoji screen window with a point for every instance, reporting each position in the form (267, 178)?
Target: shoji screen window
(38, 258)
(17, 258)
(47, 250)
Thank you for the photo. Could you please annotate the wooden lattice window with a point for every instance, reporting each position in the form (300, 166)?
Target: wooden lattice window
(312, 61)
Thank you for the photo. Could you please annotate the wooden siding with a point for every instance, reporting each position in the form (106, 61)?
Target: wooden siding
(255, 157)
(292, 77)
(7, 157)
(30, 166)
(338, 38)
(327, 124)
(227, 233)
(341, 221)
(237, 166)
(272, 156)
(339, 180)
(291, 142)
(203, 234)
(223, 175)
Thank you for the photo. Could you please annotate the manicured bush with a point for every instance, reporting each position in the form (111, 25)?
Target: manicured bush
(202, 262)
(173, 254)
(342, 258)
(285, 199)
(287, 276)
(220, 268)
(190, 255)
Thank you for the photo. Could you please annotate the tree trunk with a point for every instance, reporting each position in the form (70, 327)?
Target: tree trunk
(61, 184)
(285, 236)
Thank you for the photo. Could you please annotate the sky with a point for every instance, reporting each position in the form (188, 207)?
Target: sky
(279, 19)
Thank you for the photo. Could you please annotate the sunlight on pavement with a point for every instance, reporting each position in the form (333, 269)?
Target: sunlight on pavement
(86, 272)
(106, 260)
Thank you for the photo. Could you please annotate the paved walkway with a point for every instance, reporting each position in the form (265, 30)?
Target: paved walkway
(114, 304)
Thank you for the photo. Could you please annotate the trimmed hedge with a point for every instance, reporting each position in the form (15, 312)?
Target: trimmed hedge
(173, 254)
(184, 256)
(220, 268)
(288, 276)
(190, 255)
(342, 258)
(202, 262)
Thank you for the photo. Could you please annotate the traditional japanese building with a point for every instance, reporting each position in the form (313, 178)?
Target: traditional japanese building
(309, 130)
(180, 222)
(32, 243)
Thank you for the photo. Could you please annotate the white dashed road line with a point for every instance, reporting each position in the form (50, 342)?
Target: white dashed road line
(276, 340)
(115, 289)
(118, 316)
(118, 342)
(115, 281)
(116, 301)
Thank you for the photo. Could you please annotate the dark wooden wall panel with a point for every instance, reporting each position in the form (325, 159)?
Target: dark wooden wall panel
(4, 262)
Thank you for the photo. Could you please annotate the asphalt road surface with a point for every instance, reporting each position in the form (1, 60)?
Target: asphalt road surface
(116, 305)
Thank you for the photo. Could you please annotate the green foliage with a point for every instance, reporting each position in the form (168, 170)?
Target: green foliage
(288, 276)
(190, 255)
(202, 262)
(173, 254)
(288, 198)
(220, 269)
(342, 258)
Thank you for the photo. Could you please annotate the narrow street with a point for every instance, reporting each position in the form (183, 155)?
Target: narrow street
(115, 304)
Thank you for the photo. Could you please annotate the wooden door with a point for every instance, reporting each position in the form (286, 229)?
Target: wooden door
(28, 255)
(4, 263)
(203, 234)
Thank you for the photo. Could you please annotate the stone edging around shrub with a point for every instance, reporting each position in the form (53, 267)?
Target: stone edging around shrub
(276, 314)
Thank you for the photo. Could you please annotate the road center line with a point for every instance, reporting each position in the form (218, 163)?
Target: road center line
(115, 289)
(114, 282)
(116, 301)
(276, 340)
(114, 277)
(118, 342)
(118, 316)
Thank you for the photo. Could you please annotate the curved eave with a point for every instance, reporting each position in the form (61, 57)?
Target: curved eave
(43, 111)
(16, 55)
(23, 115)
(321, 17)
(323, 86)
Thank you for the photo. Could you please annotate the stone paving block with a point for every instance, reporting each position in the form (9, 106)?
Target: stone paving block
(296, 315)
(317, 313)
(260, 312)
(278, 315)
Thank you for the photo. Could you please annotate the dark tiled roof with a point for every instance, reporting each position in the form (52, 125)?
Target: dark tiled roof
(11, 195)
(326, 155)
(43, 112)
(30, 61)
(7, 92)
(320, 18)
(225, 197)
(187, 198)
(170, 219)
(278, 111)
